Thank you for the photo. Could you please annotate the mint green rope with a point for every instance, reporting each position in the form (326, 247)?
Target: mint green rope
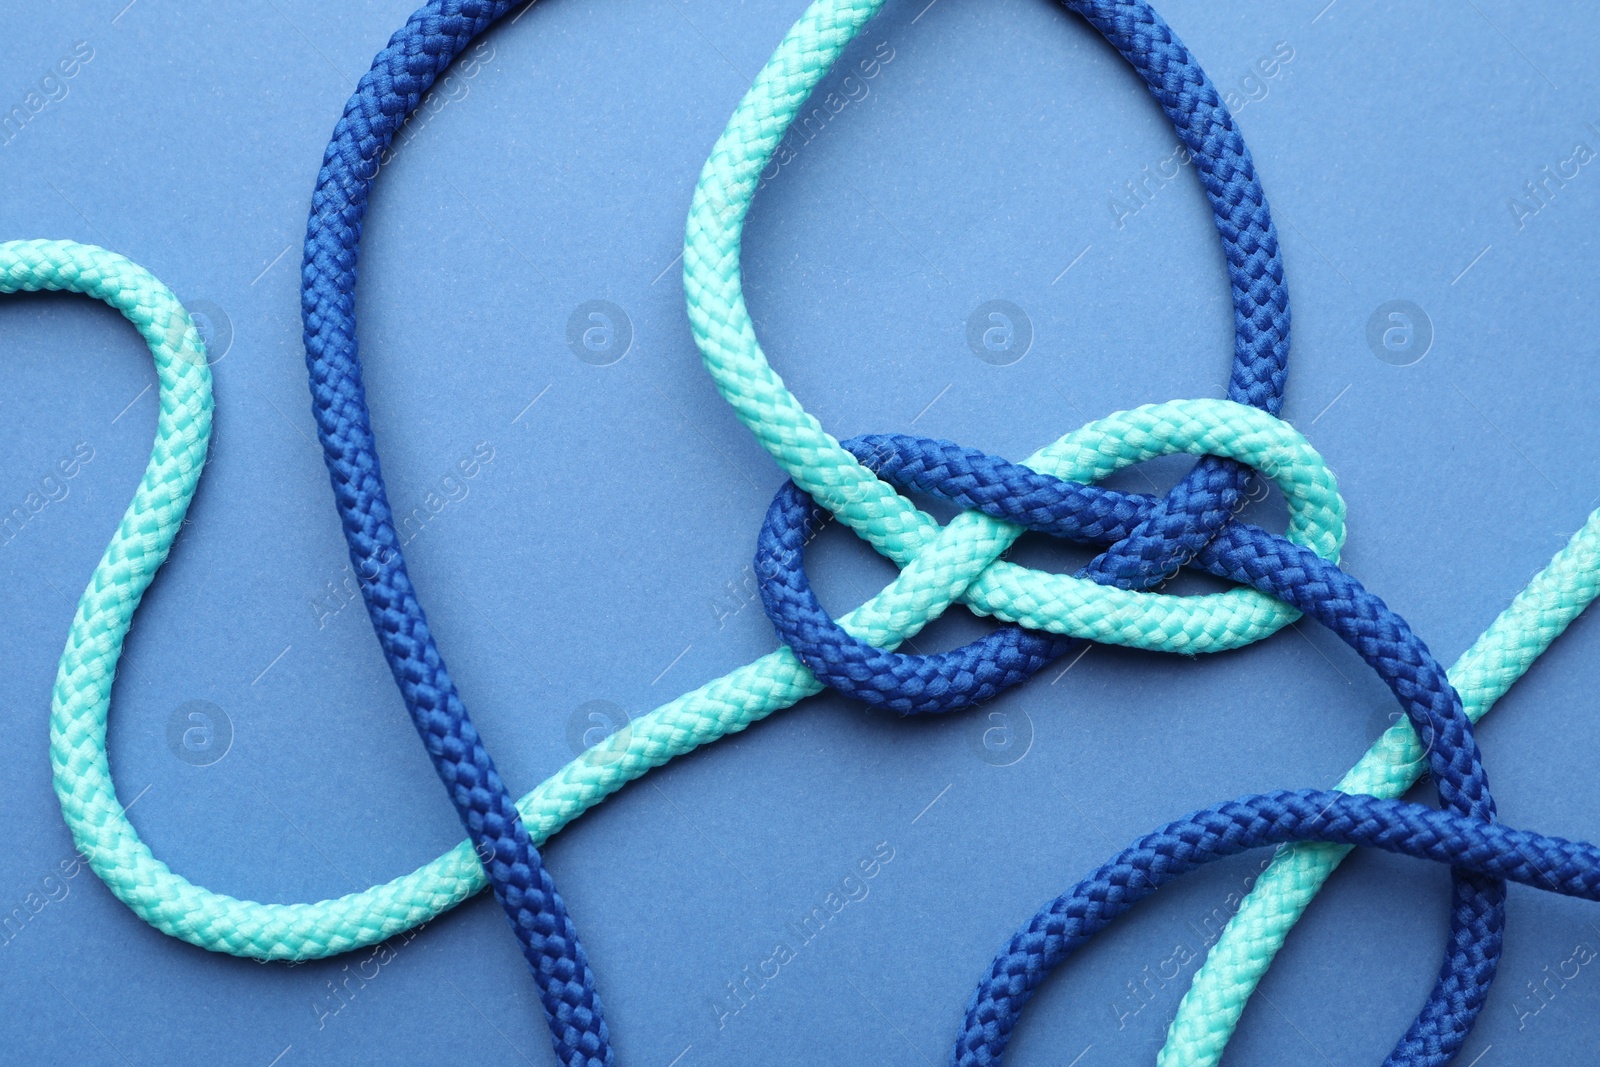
(815, 461)
(941, 566)
(797, 441)
(950, 562)
(1236, 964)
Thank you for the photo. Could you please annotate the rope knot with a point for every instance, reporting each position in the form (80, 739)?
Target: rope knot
(1150, 538)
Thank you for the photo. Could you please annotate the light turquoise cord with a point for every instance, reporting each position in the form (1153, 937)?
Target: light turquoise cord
(940, 566)
(953, 557)
(815, 461)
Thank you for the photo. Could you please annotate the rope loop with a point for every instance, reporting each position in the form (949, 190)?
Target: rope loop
(1148, 537)
(1194, 520)
(1033, 496)
(1170, 532)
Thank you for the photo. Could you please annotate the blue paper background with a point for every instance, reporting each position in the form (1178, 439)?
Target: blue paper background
(591, 561)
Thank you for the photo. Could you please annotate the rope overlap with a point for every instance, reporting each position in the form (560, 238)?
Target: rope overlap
(401, 73)
(1146, 539)
(1193, 523)
(1015, 498)
(1242, 553)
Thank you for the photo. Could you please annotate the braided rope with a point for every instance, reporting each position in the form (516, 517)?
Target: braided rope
(299, 931)
(400, 74)
(1176, 527)
(167, 901)
(830, 476)
(1242, 553)
(1233, 967)
(814, 459)
(221, 923)
(726, 705)
(1488, 850)
(1004, 507)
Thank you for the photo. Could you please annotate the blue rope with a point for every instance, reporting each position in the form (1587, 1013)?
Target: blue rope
(1490, 851)
(386, 94)
(1170, 531)
(1193, 523)
(1239, 552)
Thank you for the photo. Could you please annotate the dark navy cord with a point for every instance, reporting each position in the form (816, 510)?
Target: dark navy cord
(1169, 532)
(386, 94)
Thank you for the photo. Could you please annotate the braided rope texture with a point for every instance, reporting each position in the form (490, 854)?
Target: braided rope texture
(317, 929)
(814, 459)
(323, 928)
(1172, 530)
(1488, 851)
(1014, 498)
(1210, 1010)
(222, 923)
(401, 73)
(1191, 515)
(211, 920)
(1279, 568)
